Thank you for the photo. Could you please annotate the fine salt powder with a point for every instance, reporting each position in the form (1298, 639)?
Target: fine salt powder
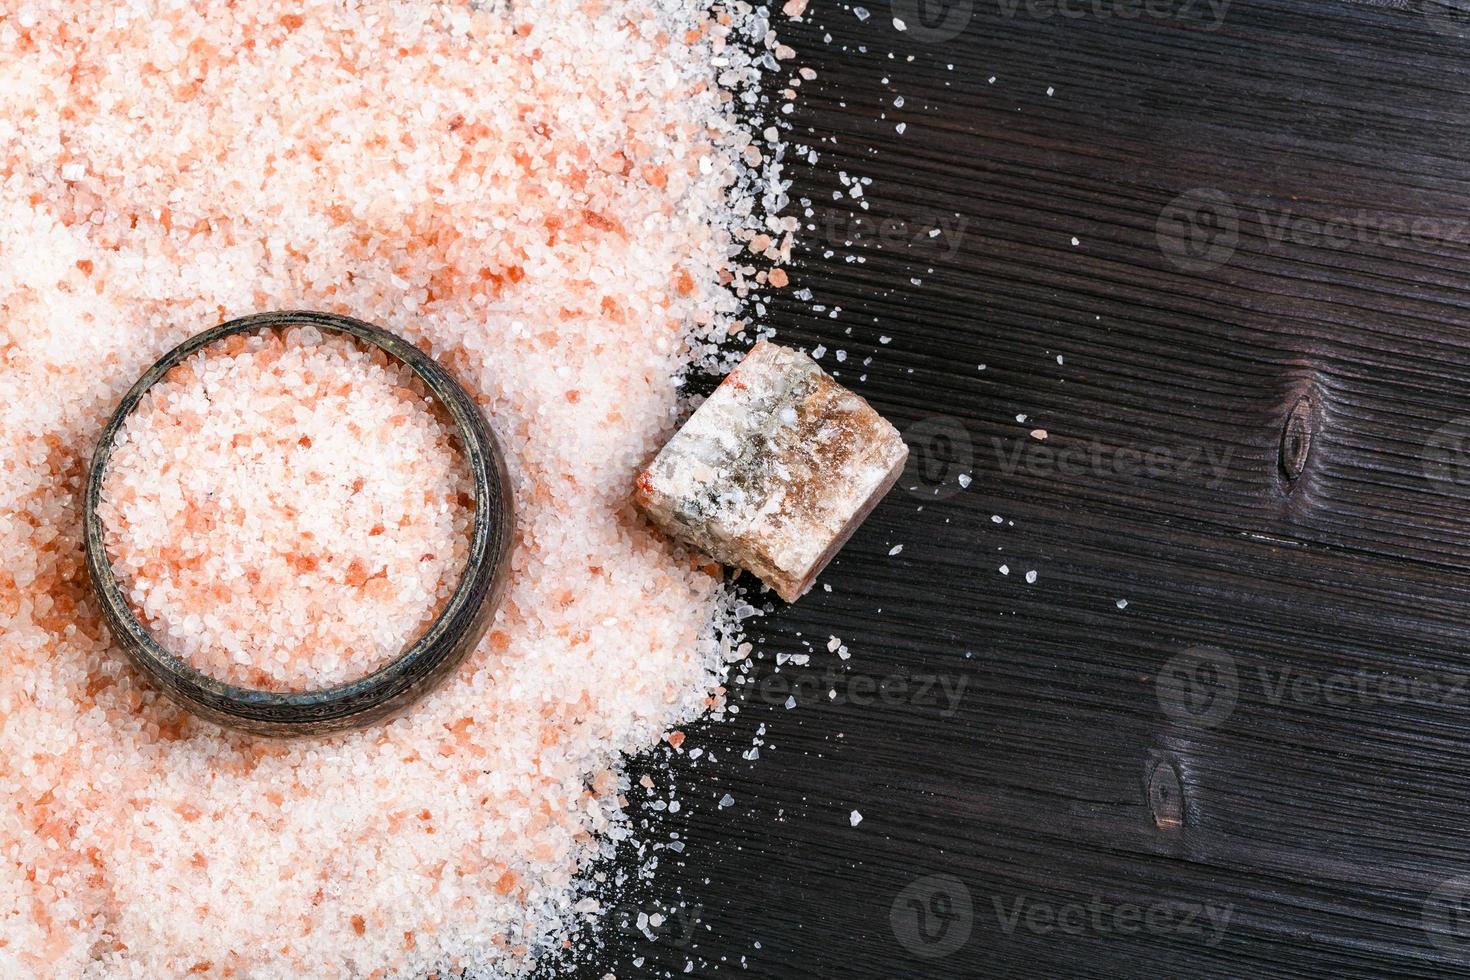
(285, 511)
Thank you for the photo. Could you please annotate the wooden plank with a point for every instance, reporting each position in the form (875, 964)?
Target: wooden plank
(1324, 809)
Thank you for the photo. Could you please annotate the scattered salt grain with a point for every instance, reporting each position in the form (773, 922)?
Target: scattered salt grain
(896, 549)
(1031, 578)
(543, 196)
(855, 818)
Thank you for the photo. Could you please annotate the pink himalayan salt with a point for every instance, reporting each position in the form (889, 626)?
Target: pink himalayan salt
(432, 168)
(775, 471)
(285, 511)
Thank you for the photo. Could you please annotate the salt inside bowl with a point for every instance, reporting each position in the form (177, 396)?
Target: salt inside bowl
(289, 519)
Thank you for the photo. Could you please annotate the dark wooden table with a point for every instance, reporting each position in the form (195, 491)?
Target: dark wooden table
(1220, 257)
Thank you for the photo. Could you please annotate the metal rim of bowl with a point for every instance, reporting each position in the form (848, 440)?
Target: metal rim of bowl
(420, 667)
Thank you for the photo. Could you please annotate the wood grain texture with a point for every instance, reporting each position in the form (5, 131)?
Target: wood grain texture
(1261, 401)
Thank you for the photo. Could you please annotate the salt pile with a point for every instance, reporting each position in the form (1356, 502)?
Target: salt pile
(285, 511)
(548, 198)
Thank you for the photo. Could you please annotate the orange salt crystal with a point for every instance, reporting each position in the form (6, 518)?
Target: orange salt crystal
(332, 209)
(311, 616)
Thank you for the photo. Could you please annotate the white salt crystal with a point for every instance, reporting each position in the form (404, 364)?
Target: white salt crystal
(332, 614)
(855, 818)
(383, 139)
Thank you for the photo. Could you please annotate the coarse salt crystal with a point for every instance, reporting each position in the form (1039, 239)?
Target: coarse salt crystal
(547, 182)
(302, 588)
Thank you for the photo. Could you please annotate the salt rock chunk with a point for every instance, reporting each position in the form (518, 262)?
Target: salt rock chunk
(775, 470)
